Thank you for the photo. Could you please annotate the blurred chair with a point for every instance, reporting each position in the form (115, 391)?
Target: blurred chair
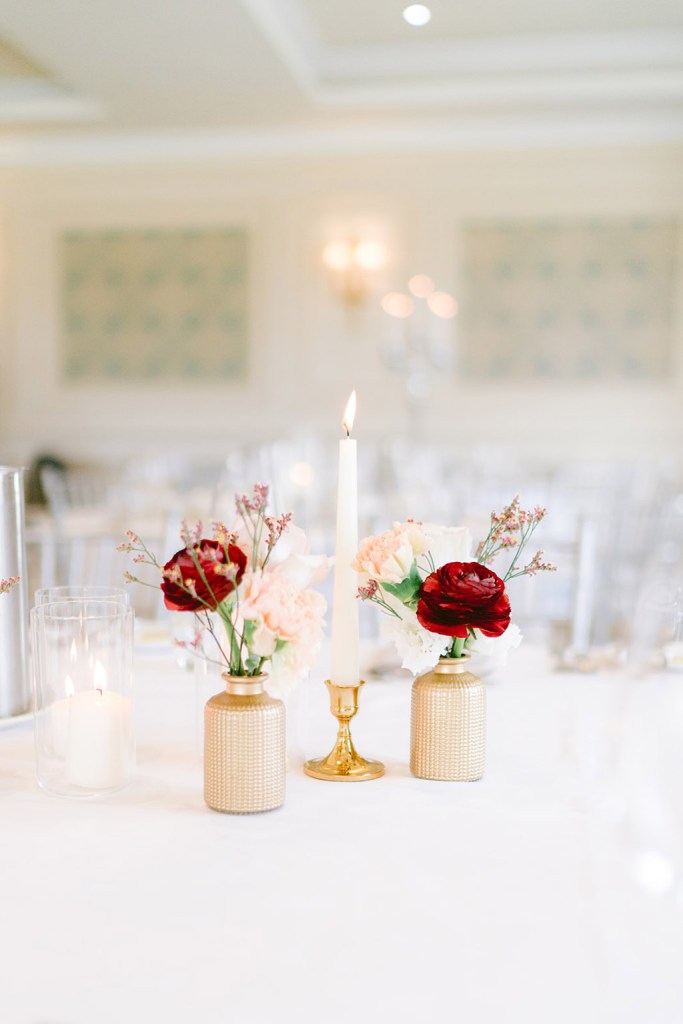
(74, 540)
(609, 522)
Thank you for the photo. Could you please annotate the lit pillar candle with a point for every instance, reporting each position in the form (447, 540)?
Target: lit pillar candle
(97, 737)
(345, 670)
(59, 719)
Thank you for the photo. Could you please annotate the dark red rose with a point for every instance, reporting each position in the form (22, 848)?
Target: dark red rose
(461, 595)
(207, 579)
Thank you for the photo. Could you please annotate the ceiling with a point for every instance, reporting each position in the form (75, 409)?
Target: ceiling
(360, 23)
(81, 72)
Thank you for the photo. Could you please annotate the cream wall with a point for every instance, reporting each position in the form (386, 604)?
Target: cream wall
(308, 351)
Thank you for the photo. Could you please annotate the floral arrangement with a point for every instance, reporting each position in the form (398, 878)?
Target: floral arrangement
(439, 601)
(254, 579)
(6, 585)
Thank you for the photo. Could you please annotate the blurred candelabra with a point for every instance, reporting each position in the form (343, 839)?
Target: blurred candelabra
(419, 345)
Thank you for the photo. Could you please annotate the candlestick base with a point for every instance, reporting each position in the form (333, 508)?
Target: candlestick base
(343, 763)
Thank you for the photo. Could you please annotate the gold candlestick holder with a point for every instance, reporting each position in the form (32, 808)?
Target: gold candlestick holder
(343, 763)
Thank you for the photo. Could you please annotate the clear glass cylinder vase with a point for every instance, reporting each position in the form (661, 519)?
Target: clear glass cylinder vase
(244, 748)
(82, 678)
(15, 689)
(448, 723)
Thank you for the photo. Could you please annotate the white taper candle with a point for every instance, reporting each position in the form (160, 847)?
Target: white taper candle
(345, 666)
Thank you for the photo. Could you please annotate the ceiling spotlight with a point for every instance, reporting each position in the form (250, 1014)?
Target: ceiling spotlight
(417, 14)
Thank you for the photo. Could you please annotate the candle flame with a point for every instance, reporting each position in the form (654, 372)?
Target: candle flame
(349, 413)
(73, 654)
(69, 687)
(100, 681)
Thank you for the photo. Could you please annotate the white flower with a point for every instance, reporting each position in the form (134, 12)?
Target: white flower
(447, 543)
(418, 649)
(304, 570)
(495, 646)
(285, 674)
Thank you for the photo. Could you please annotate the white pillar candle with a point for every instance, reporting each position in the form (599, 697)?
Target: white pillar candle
(97, 738)
(345, 666)
(59, 719)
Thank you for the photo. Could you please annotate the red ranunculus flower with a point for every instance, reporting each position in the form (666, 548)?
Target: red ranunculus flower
(209, 585)
(461, 595)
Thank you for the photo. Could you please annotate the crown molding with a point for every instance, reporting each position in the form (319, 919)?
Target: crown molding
(576, 51)
(436, 136)
(33, 100)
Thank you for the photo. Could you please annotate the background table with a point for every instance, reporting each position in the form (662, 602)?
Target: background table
(506, 900)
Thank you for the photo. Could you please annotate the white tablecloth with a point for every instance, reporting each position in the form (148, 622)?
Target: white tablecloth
(506, 900)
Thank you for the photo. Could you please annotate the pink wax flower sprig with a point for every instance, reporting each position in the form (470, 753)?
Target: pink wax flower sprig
(6, 585)
(512, 529)
(262, 531)
(254, 579)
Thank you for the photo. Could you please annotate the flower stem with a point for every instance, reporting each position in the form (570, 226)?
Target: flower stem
(212, 631)
(235, 661)
(457, 648)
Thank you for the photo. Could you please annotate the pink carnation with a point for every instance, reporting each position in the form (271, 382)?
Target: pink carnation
(283, 612)
(388, 557)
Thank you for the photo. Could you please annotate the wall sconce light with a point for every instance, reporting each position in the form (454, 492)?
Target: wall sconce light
(350, 265)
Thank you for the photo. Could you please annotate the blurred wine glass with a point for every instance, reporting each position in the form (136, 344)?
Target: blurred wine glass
(656, 640)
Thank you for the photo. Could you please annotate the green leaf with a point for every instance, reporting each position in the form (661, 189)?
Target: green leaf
(406, 591)
(252, 663)
(248, 632)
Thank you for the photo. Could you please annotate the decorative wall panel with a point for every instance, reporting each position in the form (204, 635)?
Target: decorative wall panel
(568, 301)
(162, 305)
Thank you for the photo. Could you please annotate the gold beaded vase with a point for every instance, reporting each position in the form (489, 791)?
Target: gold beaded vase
(448, 723)
(244, 748)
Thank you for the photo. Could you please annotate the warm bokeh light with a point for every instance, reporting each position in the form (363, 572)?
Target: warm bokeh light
(397, 304)
(442, 304)
(417, 14)
(369, 255)
(421, 285)
(349, 413)
(302, 474)
(338, 255)
(343, 255)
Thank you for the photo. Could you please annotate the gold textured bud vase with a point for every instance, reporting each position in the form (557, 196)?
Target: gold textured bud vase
(448, 723)
(244, 748)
